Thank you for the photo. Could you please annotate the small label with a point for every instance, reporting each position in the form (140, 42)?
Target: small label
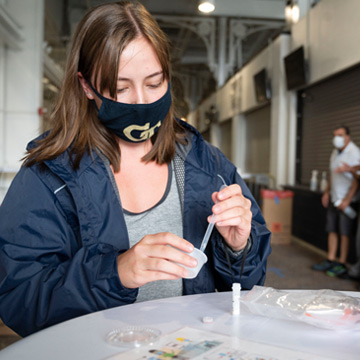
(276, 227)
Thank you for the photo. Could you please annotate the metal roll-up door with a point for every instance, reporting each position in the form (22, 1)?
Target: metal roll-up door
(258, 140)
(323, 107)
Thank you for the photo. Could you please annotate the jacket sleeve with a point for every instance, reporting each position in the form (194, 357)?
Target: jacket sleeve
(46, 276)
(254, 269)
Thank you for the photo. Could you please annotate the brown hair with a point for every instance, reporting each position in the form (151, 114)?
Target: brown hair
(98, 42)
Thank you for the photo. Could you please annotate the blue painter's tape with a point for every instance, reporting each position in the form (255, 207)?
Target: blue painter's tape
(276, 271)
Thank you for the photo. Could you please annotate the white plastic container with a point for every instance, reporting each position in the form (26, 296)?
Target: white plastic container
(201, 260)
(314, 180)
(323, 182)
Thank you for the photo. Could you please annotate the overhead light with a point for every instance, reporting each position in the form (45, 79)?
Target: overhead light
(206, 6)
(295, 14)
(288, 11)
(292, 12)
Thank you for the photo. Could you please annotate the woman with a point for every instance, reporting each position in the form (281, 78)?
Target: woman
(90, 215)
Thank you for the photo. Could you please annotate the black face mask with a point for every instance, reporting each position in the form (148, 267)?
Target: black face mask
(133, 122)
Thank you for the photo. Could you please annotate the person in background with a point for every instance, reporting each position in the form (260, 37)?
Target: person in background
(109, 204)
(339, 194)
(354, 271)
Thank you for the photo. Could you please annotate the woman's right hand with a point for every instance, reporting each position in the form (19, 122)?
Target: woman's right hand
(152, 259)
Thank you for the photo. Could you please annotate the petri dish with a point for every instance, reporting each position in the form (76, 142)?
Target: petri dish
(133, 336)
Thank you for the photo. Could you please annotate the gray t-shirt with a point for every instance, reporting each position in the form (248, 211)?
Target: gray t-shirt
(165, 216)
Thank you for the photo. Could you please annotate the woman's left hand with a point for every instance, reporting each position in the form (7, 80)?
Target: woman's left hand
(232, 216)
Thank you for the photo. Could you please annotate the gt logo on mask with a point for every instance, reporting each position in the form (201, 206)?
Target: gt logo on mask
(147, 132)
(133, 122)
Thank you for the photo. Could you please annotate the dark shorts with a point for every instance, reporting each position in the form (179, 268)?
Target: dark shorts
(338, 222)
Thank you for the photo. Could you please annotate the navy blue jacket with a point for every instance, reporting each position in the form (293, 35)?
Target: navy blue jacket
(61, 231)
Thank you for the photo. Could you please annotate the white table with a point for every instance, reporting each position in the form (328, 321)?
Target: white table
(83, 337)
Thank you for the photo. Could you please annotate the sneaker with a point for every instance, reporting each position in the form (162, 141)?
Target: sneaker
(324, 265)
(338, 270)
(354, 271)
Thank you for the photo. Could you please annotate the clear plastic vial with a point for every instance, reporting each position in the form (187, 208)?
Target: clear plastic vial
(348, 211)
(236, 287)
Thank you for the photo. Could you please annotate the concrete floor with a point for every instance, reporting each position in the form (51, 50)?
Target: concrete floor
(7, 336)
(289, 267)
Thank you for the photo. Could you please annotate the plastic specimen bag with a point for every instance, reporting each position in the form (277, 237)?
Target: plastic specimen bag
(322, 308)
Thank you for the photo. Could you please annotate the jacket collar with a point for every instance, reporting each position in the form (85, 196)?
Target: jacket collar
(188, 152)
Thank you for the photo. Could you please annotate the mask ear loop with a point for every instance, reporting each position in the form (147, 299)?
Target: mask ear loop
(97, 94)
(95, 91)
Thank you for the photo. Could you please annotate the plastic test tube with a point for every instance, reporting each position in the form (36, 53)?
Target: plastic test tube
(209, 229)
(236, 287)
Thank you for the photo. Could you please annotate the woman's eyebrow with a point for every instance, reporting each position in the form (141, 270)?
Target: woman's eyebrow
(147, 77)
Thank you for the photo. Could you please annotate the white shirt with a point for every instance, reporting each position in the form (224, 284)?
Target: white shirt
(341, 182)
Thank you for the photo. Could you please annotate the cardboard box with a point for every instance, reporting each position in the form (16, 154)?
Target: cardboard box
(277, 210)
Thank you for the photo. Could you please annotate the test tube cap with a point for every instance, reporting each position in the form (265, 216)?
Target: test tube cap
(236, 287)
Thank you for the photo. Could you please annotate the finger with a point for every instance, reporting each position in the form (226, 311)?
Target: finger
(147, 253)
(136, 268)
(238, 221)
(147, 276)
(167, 238)
(233, 197)
(233, 216)
(229, 191)
(226, 192)
(175, 255)
(162, 266)
(233, 202)
(158, 275)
